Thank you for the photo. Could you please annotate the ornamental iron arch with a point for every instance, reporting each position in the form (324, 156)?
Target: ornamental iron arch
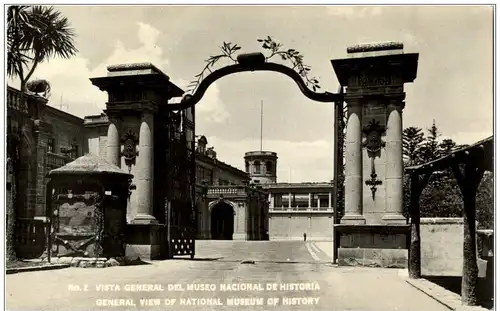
(251, 62)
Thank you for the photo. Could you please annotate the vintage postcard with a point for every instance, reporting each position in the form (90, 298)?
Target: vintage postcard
(249, 157)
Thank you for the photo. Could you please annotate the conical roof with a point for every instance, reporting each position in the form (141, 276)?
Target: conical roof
(88, 164)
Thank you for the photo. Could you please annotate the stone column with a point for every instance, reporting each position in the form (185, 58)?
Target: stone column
(290, 201)
(309, 205)
(330, 200)
(319, 203)
(144, 171)
(271, 201)
(394, 165)
(113, 143)
(353, 168)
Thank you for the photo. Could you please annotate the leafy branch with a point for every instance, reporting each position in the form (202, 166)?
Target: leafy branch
(228, 49)
(276, 49)
(293, 56)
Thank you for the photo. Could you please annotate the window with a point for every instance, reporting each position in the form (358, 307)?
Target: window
(300, 202)
(278, 202)
(74, 153)
(51, 145)
(269, 167)
(204, 174)
(256, 167)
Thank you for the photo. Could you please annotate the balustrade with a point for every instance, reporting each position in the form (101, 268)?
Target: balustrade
(226, 190)
(14, 100)
(55, 160)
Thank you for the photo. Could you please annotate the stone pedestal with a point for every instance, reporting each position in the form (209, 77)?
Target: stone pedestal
(383, 246)
(373, 230)
(146, 241)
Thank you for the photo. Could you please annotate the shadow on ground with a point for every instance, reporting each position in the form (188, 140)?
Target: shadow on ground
(454, 284)
(135, 262)
(198, 259)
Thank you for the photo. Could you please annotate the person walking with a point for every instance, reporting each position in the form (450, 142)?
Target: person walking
(305, 236)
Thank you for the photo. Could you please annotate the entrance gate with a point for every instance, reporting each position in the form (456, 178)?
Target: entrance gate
(180, 183)
(154, 140)
(258, 62)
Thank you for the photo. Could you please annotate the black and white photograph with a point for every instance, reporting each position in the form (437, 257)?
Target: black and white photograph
(249, 156)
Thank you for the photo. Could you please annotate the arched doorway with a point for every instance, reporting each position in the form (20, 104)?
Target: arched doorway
(222, 221)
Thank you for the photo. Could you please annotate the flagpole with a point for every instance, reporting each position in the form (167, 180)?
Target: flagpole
(261, 118)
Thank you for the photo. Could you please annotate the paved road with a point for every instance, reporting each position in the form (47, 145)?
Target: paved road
(318, 284)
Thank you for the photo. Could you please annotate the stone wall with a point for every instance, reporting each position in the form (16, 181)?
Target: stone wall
(292, 225)
(240, 220)
(441, 246)
(97, 138)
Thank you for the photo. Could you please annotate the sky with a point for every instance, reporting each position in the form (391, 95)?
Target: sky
(454, 84)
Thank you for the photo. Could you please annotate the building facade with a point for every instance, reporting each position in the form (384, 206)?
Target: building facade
(48, 138)
(261, 166)
(300, 208)
(295, 209)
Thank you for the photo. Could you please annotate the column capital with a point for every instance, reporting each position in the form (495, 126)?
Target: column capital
(354, 100)
(146, 116)
(396, 104)
(115, 119)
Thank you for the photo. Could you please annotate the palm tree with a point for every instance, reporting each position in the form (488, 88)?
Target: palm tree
(34, 34)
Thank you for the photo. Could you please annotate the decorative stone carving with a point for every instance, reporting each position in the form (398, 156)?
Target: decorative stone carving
(130, 152)
(373, 143)
(368, 80)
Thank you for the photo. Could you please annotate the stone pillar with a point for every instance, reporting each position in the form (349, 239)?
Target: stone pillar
(309, 205)
(319, 203)
(271, 201)
(290, 201)
(394, 165)
(330, 200)
(353, 167)
(113, 143)
(144, 172)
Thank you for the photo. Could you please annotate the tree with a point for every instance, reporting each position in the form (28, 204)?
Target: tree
(441, 197)
(485, 209)
(447, 146)
(413, 140)
(34, 34)
(430, 150)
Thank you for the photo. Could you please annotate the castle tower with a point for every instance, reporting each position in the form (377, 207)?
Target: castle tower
(261, 166)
